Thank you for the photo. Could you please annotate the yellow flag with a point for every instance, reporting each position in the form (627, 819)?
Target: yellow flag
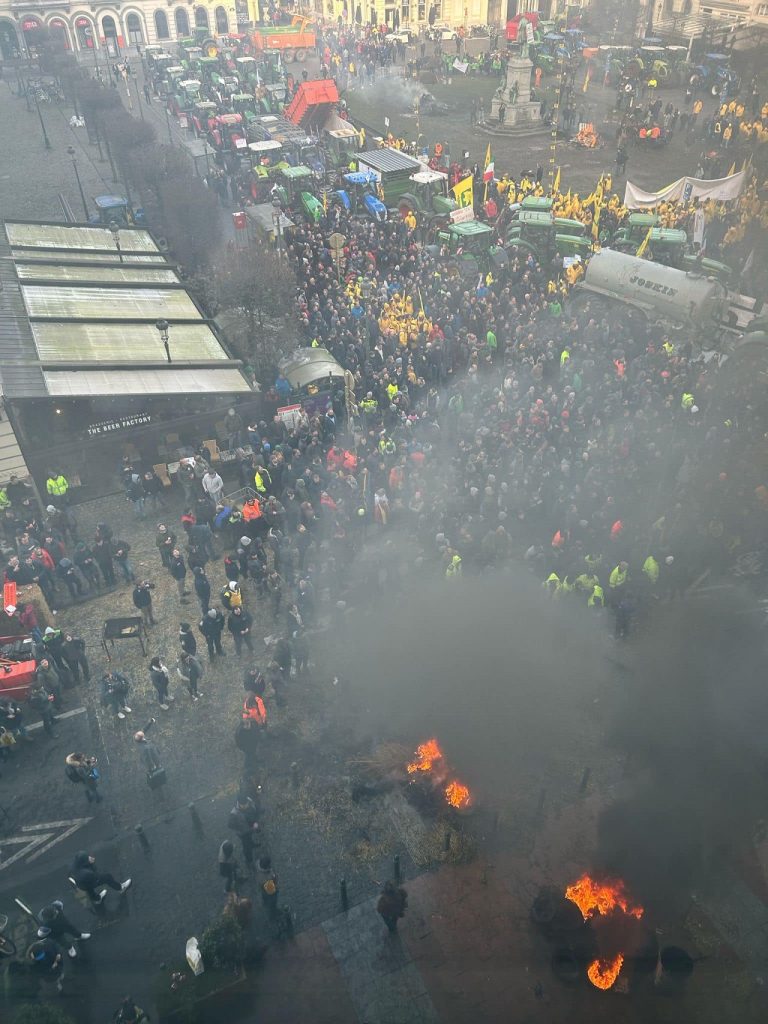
(556, 182)
(644, 243)
(596, 221)
(732, 169)
(463, 192)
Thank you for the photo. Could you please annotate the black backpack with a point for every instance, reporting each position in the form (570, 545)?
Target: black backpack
(72, 773)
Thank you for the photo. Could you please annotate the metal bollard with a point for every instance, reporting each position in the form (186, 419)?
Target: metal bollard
(195, 817)
(585, 779)
(344, 896)
(139, 830)
(397, 869)
(295, 773)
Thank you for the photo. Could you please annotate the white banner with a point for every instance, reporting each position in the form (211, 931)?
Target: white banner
(462, 215)
(461, 65)
(685, 189)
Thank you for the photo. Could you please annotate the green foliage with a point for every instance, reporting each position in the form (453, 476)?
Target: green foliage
(223, 943)
(42, 1013)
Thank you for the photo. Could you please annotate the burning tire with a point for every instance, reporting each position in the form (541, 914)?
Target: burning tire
(566, 966)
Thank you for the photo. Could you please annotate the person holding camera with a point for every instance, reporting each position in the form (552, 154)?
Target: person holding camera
(142, 599)
(81, 769)
(114, 692)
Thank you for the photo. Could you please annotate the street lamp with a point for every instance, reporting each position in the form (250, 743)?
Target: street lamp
(114, 227)
(163, 327)
(277, 213)
(71, 151)
(42, 122)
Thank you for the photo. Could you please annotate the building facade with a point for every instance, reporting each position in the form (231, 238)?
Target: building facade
(106, 30)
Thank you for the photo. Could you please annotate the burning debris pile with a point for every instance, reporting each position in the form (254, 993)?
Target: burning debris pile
(599, 932)
(606, 900)
(430, 767)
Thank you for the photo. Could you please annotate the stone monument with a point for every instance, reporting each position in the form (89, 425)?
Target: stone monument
(512, 109)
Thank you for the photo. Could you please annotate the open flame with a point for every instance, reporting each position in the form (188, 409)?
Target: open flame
(427, 753)
(604, 898)
(430, 760)
(603, 973)
(457, 795)
(592, 897)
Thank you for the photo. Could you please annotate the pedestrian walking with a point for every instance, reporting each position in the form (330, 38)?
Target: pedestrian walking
(239, 624)
(47, 676)
(74, 657)
(243, 822)
(147, 95)
(55, 924)
(191, 672)
(392, 905)
(160, 679)
(148, 752)
(114, 693)
(103, 555)
(121, 549)
(142, 599)
(178, 571)
(81, 770)
(228, 866)
(165, 542)
(212, 626)
(187, 638)
(47, 959)
(247, 740)
(213, 486)
(41, 701)
(90, 880)
(202, 588)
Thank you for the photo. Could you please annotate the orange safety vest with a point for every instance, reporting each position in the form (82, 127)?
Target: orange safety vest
(253, 709)
(252, 510)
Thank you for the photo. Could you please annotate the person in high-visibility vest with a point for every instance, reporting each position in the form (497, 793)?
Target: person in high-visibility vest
(552, 584)
(597, 598)
(687, 401)
(618, 576)
(651, 569)
(454, 570)
(57, 486)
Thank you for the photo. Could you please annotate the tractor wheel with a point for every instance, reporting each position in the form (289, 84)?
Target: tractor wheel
(300, 55)
(287, 54)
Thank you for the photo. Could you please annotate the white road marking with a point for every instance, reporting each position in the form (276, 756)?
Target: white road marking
(34, 842)
(65, 714)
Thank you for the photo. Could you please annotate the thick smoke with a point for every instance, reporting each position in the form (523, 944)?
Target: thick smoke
(691, 719)
(523, 693)
(392, 94)
(502, 677)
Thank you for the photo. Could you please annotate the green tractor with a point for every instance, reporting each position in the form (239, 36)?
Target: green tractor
(669, 246)
(470, 249)
(537, 231)
(427, 196)
(292, 190)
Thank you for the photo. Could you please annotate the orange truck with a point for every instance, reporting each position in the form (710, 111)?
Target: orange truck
(293, 41)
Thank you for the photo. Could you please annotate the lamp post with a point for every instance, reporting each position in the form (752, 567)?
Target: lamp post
(163, 327)
(277, 213)
(46, 140)
(71, 152)
(114, 227)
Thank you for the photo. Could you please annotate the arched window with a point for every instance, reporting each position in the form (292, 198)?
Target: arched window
(59, 33)
(201, 18)
(182, 22)
(133, 24)
(161, 25)
(84, 33)
(9, 41)
(222, 22)
(109, 31)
